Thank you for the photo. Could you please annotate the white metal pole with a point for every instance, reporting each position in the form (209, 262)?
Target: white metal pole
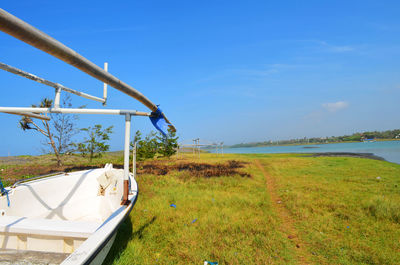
(57, 98)
(38, 79)
(198, 146)
(27, 33)
(125, 199)
(74, 111)
(32, 115)
(126, 145)
(105, 85)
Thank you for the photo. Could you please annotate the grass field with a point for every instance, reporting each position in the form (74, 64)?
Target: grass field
(292, 209)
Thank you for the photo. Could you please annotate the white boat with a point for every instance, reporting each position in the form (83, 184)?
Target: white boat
(68, 218)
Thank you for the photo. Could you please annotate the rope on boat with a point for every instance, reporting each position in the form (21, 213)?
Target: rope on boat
(3, 192)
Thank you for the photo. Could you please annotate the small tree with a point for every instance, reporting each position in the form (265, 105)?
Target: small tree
(167, 145)
(26, 123)
(64, 127)
(145, 148)
(95, 143)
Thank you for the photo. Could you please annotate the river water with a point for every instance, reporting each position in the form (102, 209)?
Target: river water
(389, 150)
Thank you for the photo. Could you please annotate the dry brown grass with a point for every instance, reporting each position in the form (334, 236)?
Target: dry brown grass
(205, 170)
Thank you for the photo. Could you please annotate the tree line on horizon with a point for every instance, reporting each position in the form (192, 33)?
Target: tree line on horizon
(355, 137)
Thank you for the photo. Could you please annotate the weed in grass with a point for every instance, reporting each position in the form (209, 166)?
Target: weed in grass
(382, 207)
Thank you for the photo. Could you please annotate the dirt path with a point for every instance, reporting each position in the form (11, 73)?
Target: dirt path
(287, 226)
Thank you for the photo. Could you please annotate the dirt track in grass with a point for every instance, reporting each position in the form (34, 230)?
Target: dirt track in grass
(287, 223)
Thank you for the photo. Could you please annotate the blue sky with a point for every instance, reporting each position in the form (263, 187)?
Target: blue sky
(231, 71)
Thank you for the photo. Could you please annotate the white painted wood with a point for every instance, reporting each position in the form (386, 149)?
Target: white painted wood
(66, 213)
(47, 227)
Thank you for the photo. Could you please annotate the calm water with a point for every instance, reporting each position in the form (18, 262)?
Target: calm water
(389, 150)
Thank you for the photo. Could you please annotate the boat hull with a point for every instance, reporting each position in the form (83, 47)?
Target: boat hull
(79, 221)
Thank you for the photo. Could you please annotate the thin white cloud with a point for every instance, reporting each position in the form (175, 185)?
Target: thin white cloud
(384, 27)
(263, 71)
(335, 106)
(254, 72)
(336, 48)
(329, 47)
(341, 48)
(266, 70)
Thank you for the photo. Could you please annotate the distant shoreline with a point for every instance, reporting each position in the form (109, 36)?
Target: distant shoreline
(347, 154)
(296, 144)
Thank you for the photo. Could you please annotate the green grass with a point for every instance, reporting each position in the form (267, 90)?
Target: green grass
(234, 223)
(344, 211)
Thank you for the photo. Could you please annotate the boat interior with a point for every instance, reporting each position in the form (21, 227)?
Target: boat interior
(47, 219)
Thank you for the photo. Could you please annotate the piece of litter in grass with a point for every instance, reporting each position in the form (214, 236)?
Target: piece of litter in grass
(210, 262)
(194, 220)
(348, 226)
(378, 178)
(279, 202)
(173, 205)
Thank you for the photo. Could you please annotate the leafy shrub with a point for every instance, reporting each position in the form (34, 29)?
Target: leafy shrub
(95, 142)
(154, 144)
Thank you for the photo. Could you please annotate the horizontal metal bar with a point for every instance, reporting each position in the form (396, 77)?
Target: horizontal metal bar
(34, 178)
(32, 115)
(30, 76)
(31, 35)
(74, 111)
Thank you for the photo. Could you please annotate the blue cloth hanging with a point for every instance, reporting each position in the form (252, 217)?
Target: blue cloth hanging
(157, 118)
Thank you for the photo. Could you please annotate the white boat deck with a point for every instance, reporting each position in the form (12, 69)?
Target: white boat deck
(47, 227)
